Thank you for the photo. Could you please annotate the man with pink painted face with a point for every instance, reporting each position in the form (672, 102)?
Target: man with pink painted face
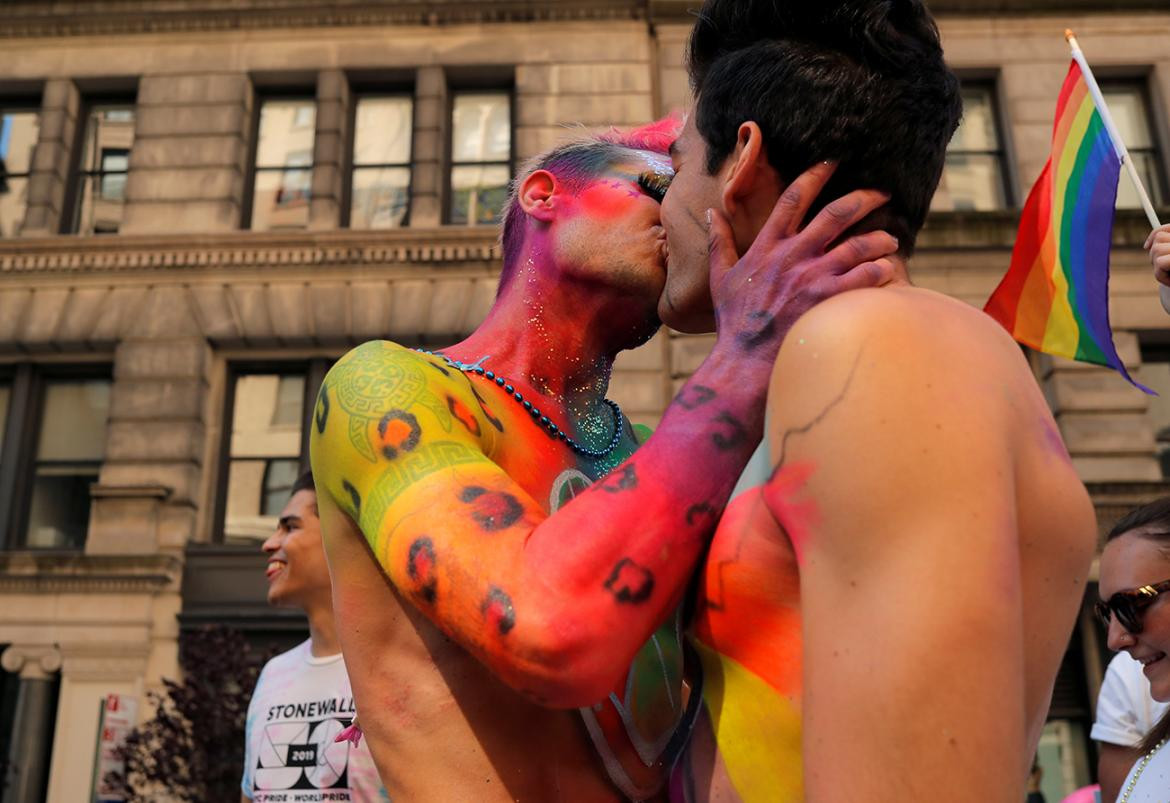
(890, 591)
(501, 555)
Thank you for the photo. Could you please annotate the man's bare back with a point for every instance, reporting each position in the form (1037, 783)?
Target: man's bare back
(912, 565)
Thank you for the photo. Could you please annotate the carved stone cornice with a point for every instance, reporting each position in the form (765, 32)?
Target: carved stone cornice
(104, 17)
(50, 572)
(69, 254)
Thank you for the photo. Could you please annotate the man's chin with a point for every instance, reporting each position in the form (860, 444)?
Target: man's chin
(689, 321)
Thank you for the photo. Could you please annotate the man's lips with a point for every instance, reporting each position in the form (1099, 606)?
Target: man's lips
(275, 567)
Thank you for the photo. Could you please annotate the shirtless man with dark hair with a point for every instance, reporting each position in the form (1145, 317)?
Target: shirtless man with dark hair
(498, 556)
(890, 592)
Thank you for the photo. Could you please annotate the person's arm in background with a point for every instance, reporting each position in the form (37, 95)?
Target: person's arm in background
(1158, 244)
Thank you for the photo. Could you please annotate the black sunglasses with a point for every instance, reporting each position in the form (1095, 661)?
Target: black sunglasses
(1130, 606)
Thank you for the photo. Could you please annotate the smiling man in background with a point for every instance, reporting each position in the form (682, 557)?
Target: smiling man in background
(302, 698)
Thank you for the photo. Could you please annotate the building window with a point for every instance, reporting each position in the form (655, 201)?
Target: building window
(283, 171)
(379, 196)
(481, 157)
(1129, 107)
(19, 128)
(52, 451)
(975, 176)
(266, 448)
(99, 184)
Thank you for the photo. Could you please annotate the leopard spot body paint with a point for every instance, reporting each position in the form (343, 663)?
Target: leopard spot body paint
(464, 416)
(492, 510)
(398, 432)
(629, 582)
(420, 568)
(498, 611)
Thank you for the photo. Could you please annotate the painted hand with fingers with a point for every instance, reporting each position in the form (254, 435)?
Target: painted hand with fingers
(790, 267)
(1158, 244)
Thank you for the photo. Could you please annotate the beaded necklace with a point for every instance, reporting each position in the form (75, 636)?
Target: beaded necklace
(537, 415)
(1140, 768)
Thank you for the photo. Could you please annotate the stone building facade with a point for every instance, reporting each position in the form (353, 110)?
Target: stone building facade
(173, 284)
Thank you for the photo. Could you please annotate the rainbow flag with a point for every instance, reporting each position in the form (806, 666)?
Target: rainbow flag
(1055, 296)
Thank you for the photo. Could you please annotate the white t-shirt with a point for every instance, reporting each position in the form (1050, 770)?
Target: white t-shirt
(1125, 710)
(300, 704)
(1154, 784)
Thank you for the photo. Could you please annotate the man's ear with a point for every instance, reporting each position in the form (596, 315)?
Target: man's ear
(747, 173)
(536, 195)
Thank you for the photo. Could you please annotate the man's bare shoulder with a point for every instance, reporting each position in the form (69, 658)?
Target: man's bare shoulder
(908, 337)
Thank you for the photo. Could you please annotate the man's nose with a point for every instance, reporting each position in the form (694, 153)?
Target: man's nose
(272, 543)
(1117, 637)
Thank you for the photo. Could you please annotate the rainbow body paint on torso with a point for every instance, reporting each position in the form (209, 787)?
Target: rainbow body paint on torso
(746, 629)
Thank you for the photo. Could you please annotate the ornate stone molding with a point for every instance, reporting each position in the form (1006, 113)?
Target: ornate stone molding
(103, 17)
(32, 661)
(50, 572)
(430, 248)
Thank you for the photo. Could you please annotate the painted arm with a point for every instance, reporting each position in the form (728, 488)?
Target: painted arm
(558, 606)
(894, 481)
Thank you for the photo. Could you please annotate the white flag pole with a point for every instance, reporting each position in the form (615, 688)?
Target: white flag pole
(1118, 145)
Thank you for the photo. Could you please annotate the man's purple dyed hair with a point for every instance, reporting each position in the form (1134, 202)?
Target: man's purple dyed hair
(575, 164)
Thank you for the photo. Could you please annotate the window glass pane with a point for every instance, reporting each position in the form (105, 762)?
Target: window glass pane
(1127, 107)
(97, 214)
(73, 421)
(977, 131)
(70, 447)
(267, 423)
(1149, 170)
(970, 182)
(107, 127)
(482, 128)
(18, 137)
(380, 197)
(478, 194)
(13, 203)
(382, 129)
(5, 393)
(281, 199)
(59, 512)
(286, 132)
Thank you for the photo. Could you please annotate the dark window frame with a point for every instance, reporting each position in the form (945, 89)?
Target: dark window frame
(487, 88)
(351, 165)
(18, 460)
(1160, 193)
(313, 369)
(991, 82)
(253, 170)
(71, 208)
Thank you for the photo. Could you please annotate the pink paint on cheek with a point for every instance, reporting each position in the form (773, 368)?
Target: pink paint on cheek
(605, 200)
(799, 517)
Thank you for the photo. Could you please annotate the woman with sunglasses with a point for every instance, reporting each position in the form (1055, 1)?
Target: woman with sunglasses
(1135, 576)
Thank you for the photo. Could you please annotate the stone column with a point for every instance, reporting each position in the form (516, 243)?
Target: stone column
(431, 130)
(188, 162)
(145, 499)
(28, 756)
(330, 143)
(60, 106)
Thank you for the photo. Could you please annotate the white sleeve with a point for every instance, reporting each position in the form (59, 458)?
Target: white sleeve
(246, 782)
(1119, 705)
